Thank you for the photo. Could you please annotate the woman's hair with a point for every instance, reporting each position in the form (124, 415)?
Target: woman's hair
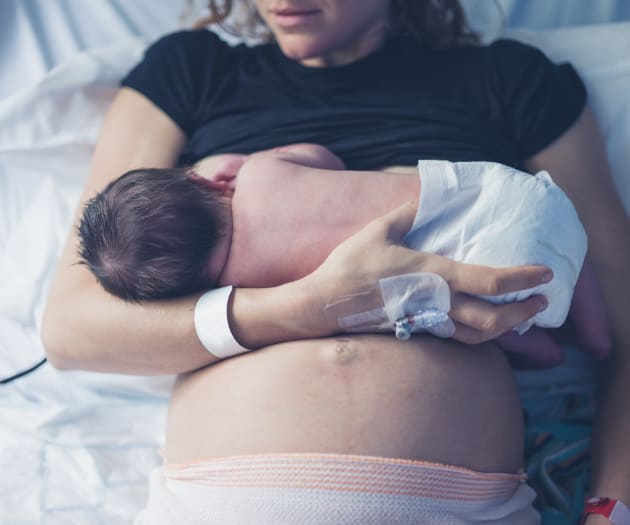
(432, 23)
(150, 233)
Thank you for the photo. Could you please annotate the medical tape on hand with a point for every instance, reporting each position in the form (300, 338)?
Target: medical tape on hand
(371, 317)
(410, 303)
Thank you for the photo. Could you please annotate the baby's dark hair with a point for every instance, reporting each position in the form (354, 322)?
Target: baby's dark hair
(150, 233)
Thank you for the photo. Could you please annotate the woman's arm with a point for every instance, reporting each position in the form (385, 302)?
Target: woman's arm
(355, 267)
(87, 328)
(577, 162)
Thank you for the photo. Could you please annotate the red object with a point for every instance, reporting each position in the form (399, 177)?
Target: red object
(612, 509)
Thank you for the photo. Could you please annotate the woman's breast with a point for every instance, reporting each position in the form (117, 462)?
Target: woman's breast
(425, 399)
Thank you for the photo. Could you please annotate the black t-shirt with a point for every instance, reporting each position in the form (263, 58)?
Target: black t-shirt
(503, 102)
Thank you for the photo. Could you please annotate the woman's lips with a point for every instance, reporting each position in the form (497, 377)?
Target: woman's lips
(293, 17)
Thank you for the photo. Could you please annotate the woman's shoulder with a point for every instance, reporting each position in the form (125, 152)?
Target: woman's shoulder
(513, 66)
(511, 55)
(187, 43)
(511, 47)
(501, 53)
(186, 53)
(502, 56)
(539, 98)
(177, 70)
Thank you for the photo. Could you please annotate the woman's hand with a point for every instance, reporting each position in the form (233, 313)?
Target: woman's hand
(376, 252)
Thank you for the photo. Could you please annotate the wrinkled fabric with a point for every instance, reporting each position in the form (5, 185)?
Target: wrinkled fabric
(331, 489)
(490, 214)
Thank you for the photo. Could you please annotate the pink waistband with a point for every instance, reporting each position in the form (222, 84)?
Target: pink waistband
(340, 472)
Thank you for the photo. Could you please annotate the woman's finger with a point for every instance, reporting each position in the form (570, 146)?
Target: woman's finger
(467, 335)
(484, 280)
(533, 350)
(478, 320)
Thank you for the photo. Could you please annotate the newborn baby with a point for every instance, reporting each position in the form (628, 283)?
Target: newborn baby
(274, 216)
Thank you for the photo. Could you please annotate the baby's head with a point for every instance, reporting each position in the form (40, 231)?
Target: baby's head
(150, 234)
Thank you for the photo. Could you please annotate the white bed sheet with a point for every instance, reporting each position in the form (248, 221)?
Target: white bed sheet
(74, 447)
(493, 16)
(77, 447)
(37, 35)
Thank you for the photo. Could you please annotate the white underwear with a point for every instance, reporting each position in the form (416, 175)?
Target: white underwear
(333, 489)
(490, 214)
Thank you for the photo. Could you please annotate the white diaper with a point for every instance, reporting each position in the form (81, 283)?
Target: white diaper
(490, 214)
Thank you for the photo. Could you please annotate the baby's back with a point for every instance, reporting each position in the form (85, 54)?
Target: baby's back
(288, 217)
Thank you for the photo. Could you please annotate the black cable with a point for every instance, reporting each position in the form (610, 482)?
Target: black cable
(22, 373)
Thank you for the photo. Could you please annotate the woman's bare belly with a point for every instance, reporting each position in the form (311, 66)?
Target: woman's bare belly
(425, 399)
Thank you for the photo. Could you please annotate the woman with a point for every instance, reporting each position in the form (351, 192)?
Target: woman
(365, 396)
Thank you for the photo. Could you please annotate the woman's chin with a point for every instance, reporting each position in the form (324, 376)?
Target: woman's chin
(303, 49)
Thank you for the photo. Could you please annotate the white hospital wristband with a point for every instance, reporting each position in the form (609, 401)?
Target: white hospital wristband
(211, 324)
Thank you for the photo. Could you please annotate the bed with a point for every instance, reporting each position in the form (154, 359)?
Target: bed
(75, 447)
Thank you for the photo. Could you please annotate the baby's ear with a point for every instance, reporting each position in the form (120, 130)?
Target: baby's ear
(219, 183)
